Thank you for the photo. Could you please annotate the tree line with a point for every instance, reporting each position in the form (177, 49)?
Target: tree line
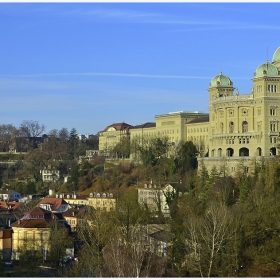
(220, 226)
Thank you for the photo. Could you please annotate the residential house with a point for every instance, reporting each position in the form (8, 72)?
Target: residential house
(54, 204)
(102, 201)
(154, 197)
(5, 242)
(9, 195)
(50, 174)
(75, 217)
(8, 212)
(99, 201)
(33, 230)
(75, 199)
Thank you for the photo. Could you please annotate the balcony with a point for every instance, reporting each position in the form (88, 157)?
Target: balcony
(234, 98)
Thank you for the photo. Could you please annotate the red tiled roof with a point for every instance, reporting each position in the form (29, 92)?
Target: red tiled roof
(55, 202)
(31, 223)
(36, 210)
(119, 126)
(6, 205)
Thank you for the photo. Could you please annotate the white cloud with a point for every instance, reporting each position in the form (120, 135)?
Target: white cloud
(129, 75)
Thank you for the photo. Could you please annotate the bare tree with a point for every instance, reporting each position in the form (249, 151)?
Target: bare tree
(94, 234)
(206, 237)
(31, 129)
(7, 132)
(128, 257)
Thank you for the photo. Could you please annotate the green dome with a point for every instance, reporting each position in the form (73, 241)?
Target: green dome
(266, 69)
(276, 55)
(220, 80)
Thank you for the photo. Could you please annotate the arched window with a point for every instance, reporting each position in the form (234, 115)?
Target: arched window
(244, 126)
(259, 151)
(273, 151)
(244, 152)
(231, 127)
(230, 152)
(219, 152)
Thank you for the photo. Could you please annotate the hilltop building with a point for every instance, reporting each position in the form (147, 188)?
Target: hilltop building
(112, 135)
(244, 128)
(239, 130)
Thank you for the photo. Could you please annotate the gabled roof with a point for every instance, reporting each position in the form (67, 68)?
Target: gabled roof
(32, 223)
(35, 211)
(54, 202)
(37, 217)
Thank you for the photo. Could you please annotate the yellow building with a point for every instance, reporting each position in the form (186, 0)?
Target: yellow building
(102, 201)
(239, 129)
(198, 133)
(112, 135)
(75, 217)
(32, 231)
(244, 128)
(172, 126)
(5, 242)
(99, 201)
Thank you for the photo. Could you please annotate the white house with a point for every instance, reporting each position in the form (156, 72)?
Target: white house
(154, 197)
(50, 174)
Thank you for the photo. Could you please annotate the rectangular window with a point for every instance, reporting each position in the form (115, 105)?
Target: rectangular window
(271, 88)
(273, 127)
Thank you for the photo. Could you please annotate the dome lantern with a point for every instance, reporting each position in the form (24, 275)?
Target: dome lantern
(220, 81)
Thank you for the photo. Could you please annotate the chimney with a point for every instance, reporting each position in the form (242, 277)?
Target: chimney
(73, 213)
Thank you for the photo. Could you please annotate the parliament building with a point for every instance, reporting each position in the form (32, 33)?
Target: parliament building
(240, 129)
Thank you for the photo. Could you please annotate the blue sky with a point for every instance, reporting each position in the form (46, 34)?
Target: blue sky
(90, 65)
